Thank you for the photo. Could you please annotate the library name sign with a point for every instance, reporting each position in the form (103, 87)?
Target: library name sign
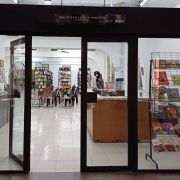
(83, 18)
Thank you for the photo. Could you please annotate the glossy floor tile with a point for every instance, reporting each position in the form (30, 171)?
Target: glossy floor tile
(55, 144)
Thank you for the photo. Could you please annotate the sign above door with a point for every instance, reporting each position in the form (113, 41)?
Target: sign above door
(82, 18)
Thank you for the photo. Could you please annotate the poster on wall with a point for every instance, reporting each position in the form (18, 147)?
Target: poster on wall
(46, 66)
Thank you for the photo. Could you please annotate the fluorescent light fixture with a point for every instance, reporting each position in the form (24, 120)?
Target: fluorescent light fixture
(143, 2)
(47, 2)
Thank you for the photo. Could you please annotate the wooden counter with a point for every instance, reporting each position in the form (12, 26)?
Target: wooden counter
(107, 121)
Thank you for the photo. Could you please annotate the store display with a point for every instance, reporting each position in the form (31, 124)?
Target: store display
(42, 78)
(88, 79)
(157, 145)
(159, 64)
(64, 78)
(169, 128)
(165, 105)
(161, 78)
(176, 79)
(168, 145)
(157, 127)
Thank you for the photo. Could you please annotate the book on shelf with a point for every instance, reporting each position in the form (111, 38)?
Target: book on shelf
(157, 145)
(177, 144)
(169, 128)
(177, 128)
(175, 79)
(159, 63)
(173, 94)
(157, 128)
(172, 112)
(168, 144)
(159, 113)
(172, 64)
(161, 78)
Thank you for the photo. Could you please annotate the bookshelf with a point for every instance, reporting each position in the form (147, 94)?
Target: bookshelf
(64, 78)
(164, 96)
(42, 78)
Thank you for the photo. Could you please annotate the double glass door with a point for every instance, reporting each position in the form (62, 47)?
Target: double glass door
(108, 104)
(109, 141)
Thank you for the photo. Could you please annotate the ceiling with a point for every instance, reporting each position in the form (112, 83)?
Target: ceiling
(123, 3)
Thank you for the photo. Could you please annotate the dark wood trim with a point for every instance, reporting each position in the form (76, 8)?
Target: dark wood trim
(27, 103)
(83, 155)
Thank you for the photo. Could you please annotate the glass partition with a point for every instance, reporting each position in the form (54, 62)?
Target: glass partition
(12, 80)
(107, 127)
(158, 103)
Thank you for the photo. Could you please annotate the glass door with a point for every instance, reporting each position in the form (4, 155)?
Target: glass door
(109, 141)
(16, 91)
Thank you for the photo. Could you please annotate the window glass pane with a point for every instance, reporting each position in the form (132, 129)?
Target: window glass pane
(158, 105)
(107, 131)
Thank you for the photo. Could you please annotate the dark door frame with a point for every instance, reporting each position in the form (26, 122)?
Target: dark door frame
(11, 117)
(132, 105)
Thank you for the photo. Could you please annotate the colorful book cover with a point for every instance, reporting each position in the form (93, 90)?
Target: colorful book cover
(172, 64)
(177, 128)
(161, 78)
(159, 113)
(172, 112)
(177, 144)
(168, 145)
(173, 94)
(157, 127)
(169, 128)
(157, 145)
(176, 79)
(159, 63)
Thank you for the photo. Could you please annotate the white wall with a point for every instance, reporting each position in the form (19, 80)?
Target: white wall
(2, 54)
(148, 45)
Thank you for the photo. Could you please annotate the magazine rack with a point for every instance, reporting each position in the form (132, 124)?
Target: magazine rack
(164, 97)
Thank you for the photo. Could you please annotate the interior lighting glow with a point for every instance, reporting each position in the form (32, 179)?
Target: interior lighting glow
(143, 2)
(47, 2)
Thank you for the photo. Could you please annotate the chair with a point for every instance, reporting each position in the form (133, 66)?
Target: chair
(53, 98)
(68, 98)
(38, 97)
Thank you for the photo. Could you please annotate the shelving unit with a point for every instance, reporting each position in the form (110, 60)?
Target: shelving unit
(88, 79)
(64, 78)
(42, 78)
(164, 96)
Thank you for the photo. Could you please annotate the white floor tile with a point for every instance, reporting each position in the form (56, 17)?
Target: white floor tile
(65, 164)
(46, 164)
(45, 170)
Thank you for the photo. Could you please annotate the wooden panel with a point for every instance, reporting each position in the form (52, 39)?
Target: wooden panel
(110, 121)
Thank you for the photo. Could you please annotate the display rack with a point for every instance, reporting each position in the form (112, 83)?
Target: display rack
(164, 96)
(88, 79)
(64, 78)
(42, 78)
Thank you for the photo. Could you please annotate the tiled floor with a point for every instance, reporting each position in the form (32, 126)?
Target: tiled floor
(55, 144)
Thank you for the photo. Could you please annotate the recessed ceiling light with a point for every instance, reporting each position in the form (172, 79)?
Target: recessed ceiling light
(143, 2)
(47, 2)
(17, 1)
